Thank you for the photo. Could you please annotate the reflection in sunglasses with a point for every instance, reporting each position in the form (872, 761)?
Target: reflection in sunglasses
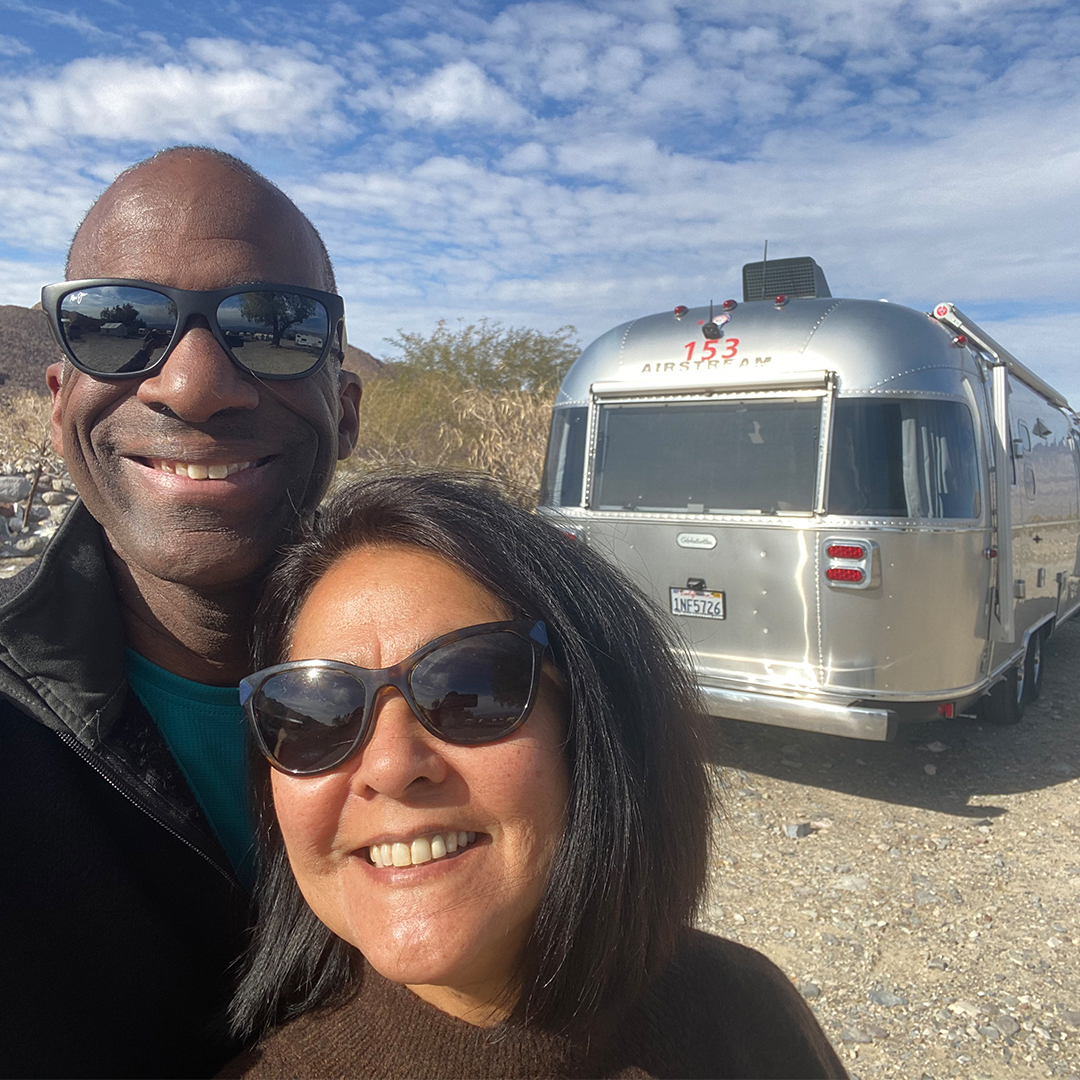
(471, 686)
(284, 334)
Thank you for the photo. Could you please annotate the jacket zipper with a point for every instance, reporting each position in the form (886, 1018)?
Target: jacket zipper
(86, 756)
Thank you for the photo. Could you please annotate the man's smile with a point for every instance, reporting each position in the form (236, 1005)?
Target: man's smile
(200, 470)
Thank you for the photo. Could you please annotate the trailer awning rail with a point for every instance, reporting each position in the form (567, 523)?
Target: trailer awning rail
(950, 315)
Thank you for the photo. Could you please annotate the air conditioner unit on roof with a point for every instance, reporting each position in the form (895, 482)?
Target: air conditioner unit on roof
(792, 277)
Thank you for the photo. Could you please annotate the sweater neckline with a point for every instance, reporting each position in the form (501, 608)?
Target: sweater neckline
(385, 1030)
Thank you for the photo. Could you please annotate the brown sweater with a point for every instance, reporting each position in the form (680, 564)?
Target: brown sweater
(720, 1010)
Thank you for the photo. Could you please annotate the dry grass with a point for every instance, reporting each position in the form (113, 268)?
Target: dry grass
(428, 420)
(24, 432)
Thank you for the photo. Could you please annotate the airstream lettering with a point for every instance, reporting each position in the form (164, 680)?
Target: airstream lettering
(870, 515)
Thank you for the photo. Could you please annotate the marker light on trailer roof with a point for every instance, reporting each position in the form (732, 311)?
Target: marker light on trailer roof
(781, 300)
(960, 340)
(680, 311)
(730, 305)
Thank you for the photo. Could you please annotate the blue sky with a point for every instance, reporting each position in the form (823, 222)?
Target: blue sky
(588, 162)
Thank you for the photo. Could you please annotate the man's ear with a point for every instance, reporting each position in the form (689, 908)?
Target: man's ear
(54, 377)
(350, 390)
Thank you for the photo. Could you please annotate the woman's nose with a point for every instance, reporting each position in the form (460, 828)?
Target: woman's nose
(199, 380)
(399, 755)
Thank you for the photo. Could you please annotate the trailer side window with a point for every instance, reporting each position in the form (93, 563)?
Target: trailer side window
(737, 457)
(564, 465)
(903, 458)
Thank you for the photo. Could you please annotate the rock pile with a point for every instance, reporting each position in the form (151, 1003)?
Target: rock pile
(52, 498)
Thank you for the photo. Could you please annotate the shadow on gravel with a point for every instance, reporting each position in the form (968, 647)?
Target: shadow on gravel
(951, 766)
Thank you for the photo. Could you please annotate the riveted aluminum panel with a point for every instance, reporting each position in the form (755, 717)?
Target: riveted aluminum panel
(768, 575)
(872, 346)
(922, 630)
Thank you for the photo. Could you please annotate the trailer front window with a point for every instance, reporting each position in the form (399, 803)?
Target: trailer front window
(912, 458)
(708, 457)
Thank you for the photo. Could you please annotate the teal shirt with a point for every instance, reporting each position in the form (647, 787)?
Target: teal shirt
(205, 728)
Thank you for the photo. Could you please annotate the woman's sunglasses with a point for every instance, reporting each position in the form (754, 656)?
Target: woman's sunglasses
(116, 328)
(467, 687)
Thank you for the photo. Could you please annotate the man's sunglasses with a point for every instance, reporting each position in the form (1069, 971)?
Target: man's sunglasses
(467, 687)
(116, 328)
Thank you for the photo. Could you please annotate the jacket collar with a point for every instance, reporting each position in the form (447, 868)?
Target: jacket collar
(61, 635)
(62, 661)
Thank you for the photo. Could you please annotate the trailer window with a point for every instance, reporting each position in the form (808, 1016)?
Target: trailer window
(564, 465)
(702, 457)
(903, 458)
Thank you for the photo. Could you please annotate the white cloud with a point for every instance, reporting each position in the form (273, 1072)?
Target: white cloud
(458, 93)
(20, 282)
(527, 157)
(215, 90)
(10, 46)
(659, 37)
(68, 20)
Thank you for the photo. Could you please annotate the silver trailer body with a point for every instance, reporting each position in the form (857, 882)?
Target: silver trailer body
(855, 513)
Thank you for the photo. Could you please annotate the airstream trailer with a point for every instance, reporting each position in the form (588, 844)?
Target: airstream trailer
(857, 514)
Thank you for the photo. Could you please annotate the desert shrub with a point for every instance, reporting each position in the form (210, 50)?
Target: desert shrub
(476, 397)
(417, 420)
(488, 356)
(24, 432)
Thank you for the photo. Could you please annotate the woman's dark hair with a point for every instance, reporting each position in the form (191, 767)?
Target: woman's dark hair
(629, 871)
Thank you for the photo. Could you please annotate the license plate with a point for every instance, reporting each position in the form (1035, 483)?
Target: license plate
(697, 603)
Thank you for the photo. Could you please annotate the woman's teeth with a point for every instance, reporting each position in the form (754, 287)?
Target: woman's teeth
(194, 471)
(421, 850)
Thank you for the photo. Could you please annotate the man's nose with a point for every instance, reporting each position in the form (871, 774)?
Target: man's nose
(199, 380)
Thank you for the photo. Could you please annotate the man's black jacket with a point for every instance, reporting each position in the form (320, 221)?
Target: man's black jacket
(120, 918)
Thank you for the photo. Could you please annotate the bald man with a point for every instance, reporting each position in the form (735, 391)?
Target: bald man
(196, 445)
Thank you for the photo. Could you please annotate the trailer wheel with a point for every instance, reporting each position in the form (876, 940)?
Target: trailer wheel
(1033, 667)
(1004, 705)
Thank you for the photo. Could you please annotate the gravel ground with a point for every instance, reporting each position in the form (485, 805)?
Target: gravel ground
(928, 902)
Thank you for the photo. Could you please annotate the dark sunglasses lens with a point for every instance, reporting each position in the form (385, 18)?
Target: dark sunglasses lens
(117, 329)
(309, 718)
(280, 333)
(475, 689)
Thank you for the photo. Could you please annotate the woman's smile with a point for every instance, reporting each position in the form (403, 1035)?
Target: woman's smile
(423, 849)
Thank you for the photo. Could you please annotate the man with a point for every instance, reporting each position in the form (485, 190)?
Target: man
(124, 838)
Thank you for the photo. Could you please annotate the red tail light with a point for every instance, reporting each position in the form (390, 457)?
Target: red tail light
(845, 551)
(844, 573)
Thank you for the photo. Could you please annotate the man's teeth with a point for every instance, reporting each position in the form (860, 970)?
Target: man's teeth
(195, 471)
(421, 850)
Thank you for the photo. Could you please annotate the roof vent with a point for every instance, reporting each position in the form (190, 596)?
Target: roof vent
(793, 277)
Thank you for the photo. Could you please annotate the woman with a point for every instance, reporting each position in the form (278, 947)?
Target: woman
(490, 814)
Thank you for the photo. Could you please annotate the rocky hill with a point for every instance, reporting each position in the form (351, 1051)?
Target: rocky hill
(363, 363)
(27, 348)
